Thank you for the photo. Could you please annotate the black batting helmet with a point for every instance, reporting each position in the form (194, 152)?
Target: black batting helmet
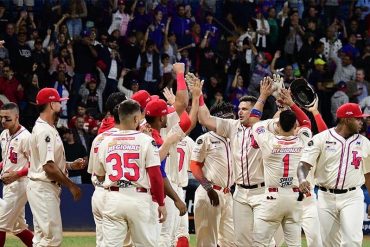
(302, 93)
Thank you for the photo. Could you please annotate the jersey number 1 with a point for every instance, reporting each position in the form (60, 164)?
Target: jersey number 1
(133, 172)
(286, 165)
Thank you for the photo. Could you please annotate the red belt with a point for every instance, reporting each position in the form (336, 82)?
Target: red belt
(224, 190)
(138, 189)
(277, 189)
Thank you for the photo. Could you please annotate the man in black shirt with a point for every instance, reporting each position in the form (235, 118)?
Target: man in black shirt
(73, 151)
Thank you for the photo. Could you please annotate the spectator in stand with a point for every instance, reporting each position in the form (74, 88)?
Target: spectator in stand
(261, 70)
(166, 8)
(30, 114)
(273, 35)
(73, 150)
(170, 46)
(149, 66)
(359, 88)
(63, 87)
(339, 98)
(25, 22)
(64, 56)
(81, 135)
(141, 19)
(293, 32)
(85, 56)
(21, 56)
(263, 29)
(4, 16)
(344, 70)
(134, 84)
(212, 30)
(120, 19)
(92, 94)
(130, 51)
(76, 11)
(365, 105)
(331, 43)
(212, 86)
(231, 65)
(4, 53)
(180, 26)
(10, 36)
(112, 59)
(157, 29)
(167, 67)
(90, 124)
(351, 48)
(239, 89)
(9, 85)
(40, 56)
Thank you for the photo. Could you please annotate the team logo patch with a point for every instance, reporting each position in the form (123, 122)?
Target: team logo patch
(306, 134)
(310, 143)
(260, 130)
(47, 139)
(154, 143)
(200, 141)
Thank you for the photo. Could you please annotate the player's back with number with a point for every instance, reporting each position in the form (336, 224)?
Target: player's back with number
(280, 155)
(126, 155)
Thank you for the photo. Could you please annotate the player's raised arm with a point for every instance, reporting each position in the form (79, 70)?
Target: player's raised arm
(321, 125)
(196, 91)
(265, 92)
(182, 96)
(302, 118)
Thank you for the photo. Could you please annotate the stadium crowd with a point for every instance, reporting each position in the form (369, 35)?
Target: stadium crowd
(88, 49)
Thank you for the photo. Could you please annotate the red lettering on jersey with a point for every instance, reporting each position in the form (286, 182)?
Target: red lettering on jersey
(131, 175)
(254, 144)
(356, 160)
(181, 158)
(13, 156)
(286, 165)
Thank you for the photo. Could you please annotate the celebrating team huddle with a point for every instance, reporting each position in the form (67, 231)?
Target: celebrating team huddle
(139, 167)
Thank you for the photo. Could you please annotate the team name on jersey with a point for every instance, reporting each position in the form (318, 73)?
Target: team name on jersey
(125, 147)
(286, 150)
(286, 181)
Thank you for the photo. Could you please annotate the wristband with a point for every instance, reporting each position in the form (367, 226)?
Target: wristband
(201, 100)
(256, 113)
(206, 184)
(181, 84)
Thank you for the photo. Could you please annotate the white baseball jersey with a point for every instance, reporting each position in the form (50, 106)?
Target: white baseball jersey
(248, 162)
(340, 163)
(45, 145)
(280, 154)
(177, 164)
(184, 149)
(124, 156)
(215, 152)
(93, 158)
(15, 149)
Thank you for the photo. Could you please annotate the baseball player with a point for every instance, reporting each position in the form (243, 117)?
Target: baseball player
(98, 197)
(184, 149)
(211, 165)
(248, 170)
(15, 154)
(281, 153)
(47, 171)
(340, 157)
(177, 172)
(130, 164)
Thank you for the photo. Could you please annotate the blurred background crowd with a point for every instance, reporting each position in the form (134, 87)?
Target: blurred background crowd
(88, 49)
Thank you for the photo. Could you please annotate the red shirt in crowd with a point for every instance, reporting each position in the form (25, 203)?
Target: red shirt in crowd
(11, 89)
(90, 123)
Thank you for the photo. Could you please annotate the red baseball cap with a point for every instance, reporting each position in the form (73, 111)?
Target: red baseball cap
(156, 108)
(121, 2)
(350, 110)
(142, 97)
(48, 95)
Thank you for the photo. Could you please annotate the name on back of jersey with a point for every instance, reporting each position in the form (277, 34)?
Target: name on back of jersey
(281, 150)
(125, 147)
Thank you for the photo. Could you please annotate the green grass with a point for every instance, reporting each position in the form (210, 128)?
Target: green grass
(89, 241)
